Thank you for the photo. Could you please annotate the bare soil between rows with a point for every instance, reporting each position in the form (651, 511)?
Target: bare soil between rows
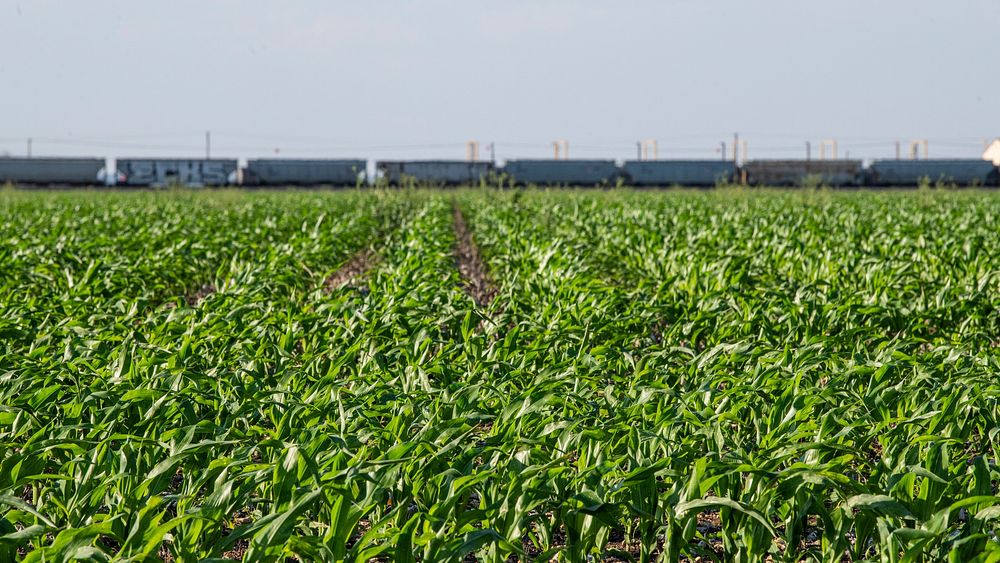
(200, 295)
(195, 297)
(352, 272)
(475, 276)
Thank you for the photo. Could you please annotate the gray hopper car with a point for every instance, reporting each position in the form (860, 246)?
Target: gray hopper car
(50, 171)
(963, 172)
(677, 172)
(562, 172)
(158, 172)
(439, 172)
(799, 172)
(300, 172)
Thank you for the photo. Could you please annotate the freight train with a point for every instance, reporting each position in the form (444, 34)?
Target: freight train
(159, 172)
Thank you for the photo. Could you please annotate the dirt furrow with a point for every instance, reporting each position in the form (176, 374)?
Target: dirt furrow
(475, 277)
(352, 271)
(195, 297)
(200, 295)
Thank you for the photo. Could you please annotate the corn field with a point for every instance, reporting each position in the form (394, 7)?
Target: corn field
(493, 376)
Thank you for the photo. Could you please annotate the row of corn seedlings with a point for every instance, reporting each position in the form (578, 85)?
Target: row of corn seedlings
(661, 376)
(118, 395)
(813, 406)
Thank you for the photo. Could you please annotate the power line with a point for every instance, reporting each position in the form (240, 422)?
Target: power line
(861, 146)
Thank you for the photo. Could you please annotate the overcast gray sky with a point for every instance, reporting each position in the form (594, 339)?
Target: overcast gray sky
(388, 78)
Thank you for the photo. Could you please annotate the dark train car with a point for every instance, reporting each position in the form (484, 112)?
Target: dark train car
(434, 172)
(190, 172)
(303, 172)
(562, 172)
(700, 173)
(51, 171)
(804, 172)
(961, 172)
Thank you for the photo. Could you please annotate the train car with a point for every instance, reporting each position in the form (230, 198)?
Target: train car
(51, 171)
(562, 172)
(435, 172)
(160, 172)
(302, 172)
(961, 172)
(677, 172)
(804, 172)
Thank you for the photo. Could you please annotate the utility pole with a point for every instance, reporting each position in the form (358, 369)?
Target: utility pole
(736, 150)
(808, 151)
(897, 150)
(493, 154)
(29, 147)
(638, 150)
(722, 150)
(208, 145)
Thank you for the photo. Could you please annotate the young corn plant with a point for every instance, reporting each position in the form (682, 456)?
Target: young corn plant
(661, 376)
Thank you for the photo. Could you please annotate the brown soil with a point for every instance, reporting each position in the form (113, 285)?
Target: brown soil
(475, 277)
(200, 295)
(352, 271)
(238, 551)
(195, 297)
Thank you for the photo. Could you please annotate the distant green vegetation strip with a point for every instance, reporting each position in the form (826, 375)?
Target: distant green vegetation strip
(728, 375)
